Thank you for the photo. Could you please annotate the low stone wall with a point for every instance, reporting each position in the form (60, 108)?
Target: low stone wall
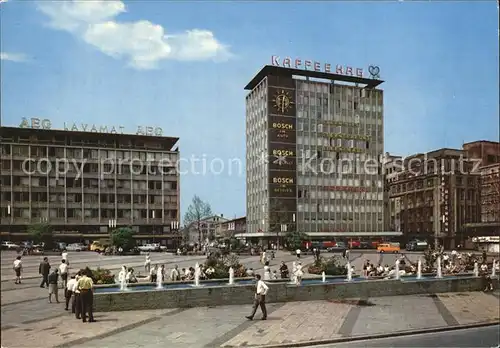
(278, 292)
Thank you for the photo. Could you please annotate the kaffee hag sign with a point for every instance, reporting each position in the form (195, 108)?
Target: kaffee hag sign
(297, 63)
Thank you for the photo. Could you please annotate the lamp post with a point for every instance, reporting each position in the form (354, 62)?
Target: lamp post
(174, 226)
(9, 216)
(153, 218)
(284, 228)
(112, 223)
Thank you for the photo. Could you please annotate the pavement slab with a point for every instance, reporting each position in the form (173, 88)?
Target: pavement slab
(397, 313)
(63, 330)
(295, 322)
(472, 307)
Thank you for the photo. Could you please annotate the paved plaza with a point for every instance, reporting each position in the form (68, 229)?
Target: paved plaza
(28, 320)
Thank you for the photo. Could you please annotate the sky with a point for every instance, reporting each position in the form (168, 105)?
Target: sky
(182, 66)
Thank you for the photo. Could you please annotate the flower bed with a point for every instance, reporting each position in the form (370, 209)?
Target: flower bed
(218, 267)
(101, 275)
(331, 266)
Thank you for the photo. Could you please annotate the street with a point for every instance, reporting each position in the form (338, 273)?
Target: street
(477, 337)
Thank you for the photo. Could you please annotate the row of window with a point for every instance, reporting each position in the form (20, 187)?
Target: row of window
(79, 153)
(73, 213)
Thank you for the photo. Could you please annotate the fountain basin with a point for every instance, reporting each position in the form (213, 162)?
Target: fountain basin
(219, 293)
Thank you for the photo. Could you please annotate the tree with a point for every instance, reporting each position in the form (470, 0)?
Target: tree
(41, 233)
(196, 212)
(295, 239)
(123, 237)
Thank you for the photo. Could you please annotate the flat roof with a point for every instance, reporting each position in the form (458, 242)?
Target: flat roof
(8, 131)
(282, 71)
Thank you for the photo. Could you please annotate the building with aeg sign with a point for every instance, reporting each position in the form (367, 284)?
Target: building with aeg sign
(314, 143)
(85, 184)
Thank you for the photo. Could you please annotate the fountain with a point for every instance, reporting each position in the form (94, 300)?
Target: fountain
(231, 276)
(396, 270)
(476, 269)
(292, 275)
(159, 278)
(439, 270)
(122, 278)
(493, 269)
(197, 272)
(323, 277)
(349, 272)
(419, 269)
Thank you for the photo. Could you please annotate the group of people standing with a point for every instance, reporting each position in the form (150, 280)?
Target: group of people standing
(78, 289)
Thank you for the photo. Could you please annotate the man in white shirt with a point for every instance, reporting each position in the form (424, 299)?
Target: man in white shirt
(260, 298)
(64, 256)
(70, 289)
(63, 271)
(297, 252)
(174, 274)
(18, 267)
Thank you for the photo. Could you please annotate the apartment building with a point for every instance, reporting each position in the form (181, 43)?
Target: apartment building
(202, 231)
(434, 195)
(233, 228)
(85, 183)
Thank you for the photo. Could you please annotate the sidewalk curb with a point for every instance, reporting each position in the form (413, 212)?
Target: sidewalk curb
(378, 336)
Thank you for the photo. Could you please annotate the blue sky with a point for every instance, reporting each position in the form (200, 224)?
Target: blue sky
(110, 63)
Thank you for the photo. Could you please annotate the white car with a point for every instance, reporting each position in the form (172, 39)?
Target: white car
(149, 247)
(76, 247)
(9, 245)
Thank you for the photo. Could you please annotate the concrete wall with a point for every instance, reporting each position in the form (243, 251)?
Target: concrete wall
(278, 292)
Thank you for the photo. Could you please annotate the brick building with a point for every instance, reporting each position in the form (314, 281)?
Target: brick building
(432, 196)
(487, 151)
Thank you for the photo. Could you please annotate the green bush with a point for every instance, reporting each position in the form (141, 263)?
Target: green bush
(101, 276)
(331, 266)
(222, 264)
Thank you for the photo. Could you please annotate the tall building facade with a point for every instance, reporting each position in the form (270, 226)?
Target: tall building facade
(433, 196)
(84, 184)
(490, 194)
(314, 148)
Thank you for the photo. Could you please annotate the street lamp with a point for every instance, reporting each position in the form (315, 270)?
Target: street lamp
(9, 216)
(153, 218)
(112, 223)
(284, 228)
(174, 226)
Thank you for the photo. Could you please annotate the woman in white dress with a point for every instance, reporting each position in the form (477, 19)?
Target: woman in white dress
(267, 272)
(298, 274)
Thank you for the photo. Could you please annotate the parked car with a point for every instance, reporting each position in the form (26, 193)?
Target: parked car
(416, 245)
(10, 246)
(388, 248)
(76, 247)
(97, 246)
(339, 246)
(149, 247)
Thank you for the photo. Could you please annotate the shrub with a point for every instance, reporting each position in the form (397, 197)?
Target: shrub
(101, 275)
(222, 264)
(331, 266)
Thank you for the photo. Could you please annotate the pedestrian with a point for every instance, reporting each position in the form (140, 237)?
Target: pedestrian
(53, 279)
(64, 256)
(297, 252)
(147, 263)
(63, 271)
(70, 288)
(86, 286)
(260, 299)
(44, 270)
(18, 267)
(152, 274)
(77, 301)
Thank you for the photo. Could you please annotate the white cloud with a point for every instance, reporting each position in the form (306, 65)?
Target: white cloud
(13, 57)
(142, 43)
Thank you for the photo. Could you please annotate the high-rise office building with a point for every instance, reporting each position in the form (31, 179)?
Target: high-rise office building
(314, 144)
(84, 184)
